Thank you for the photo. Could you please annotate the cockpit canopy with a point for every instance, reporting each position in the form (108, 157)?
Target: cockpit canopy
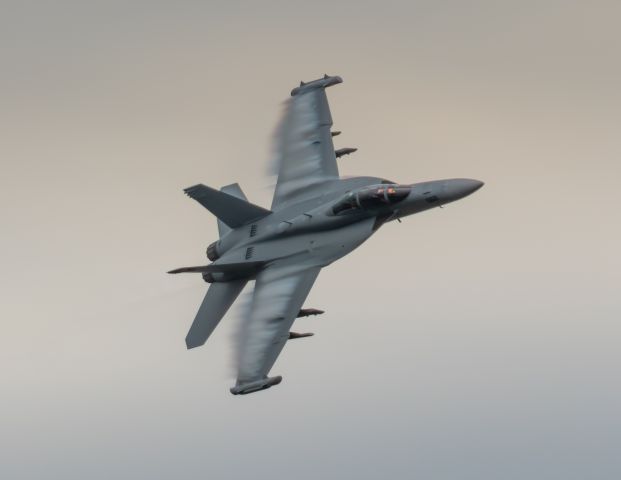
(370, 198)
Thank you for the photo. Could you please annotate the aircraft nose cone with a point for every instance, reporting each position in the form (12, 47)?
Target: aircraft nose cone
(460, 187)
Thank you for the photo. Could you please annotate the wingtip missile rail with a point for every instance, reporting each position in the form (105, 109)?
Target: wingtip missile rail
(326, 81)
(263, 384)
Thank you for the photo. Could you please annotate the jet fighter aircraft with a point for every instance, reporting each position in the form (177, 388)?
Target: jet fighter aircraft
(315, 218)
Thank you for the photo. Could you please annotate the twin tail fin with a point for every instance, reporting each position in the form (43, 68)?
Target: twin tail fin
(229, 205)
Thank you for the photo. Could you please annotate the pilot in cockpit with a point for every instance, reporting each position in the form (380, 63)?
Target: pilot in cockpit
(371, 198)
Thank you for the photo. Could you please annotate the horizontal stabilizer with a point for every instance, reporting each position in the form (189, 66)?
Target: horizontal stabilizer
(255, 386)
(233, 211)
(216, 303)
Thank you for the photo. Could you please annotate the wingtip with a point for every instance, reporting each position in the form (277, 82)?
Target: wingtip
(194, 189)
(324, 82)
(192, 341)
(256, 386)
(191, 187)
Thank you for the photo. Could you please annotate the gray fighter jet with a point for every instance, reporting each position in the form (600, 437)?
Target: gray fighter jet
(315, 218)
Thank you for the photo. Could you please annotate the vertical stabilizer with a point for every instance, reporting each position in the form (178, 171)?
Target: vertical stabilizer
(233, 211)
(216, 303)
(234, 190)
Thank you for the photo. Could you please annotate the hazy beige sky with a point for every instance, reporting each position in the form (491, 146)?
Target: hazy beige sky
(480, 341)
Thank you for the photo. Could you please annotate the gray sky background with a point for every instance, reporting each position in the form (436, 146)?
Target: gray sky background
(476, 342)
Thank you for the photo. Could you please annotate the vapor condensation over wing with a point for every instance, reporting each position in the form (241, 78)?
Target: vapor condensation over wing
(303, 154)
(276, 153)
(277, 297)
(240, 330)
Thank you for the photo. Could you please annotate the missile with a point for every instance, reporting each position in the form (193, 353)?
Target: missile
(306, 312)
(294, 335)
(344, 151)
(263, 384)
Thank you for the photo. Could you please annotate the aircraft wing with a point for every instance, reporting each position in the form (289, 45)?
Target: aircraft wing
(279, 292)
(305, 155)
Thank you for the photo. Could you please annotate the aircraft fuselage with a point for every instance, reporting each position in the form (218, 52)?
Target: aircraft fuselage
(324, 229)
